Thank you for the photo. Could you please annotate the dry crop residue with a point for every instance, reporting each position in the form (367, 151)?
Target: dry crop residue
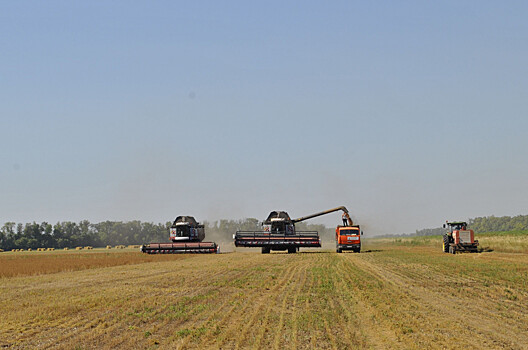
(390, 297)
(39, 263)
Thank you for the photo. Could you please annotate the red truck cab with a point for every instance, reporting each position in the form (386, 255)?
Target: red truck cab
(348, 238)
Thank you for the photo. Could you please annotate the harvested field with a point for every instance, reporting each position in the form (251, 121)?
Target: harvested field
(390, 296)
(38, 263)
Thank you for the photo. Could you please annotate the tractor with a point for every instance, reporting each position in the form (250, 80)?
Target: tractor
(458, 238)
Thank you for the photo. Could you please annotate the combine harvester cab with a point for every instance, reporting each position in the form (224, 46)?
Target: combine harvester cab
(279, 234)
(186, 235)
(459, 238)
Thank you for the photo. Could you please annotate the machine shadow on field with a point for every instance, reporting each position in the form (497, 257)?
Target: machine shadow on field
(485, 250)
(327, 252)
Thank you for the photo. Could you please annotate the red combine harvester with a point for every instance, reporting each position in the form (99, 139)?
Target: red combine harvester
(280, 233)
(186, 235)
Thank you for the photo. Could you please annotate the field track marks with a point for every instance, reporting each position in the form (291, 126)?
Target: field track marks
(225, 315)
(93, 307)
(327, 294)
(328, 329)
(230, 282)
(309, 292)
(295, 313)
(280, 332)
(278, 306)
(232, 295)
(472, 321)
(397, 311)
(347, 301)
(376, 333)
(265, 301)
(158, 301)
(227, 328)
(284, 334)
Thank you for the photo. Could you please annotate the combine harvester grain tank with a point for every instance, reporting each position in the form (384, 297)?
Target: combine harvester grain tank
(186, 235)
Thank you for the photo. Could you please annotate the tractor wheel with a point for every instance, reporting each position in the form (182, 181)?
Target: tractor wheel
(292, 250)
(452, 250)
(445, 246)
(266, 250)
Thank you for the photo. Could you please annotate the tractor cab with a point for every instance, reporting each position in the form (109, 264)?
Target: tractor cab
(455, 226)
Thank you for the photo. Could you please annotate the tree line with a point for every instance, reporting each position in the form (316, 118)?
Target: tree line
(72, 234)
(69, 234)
(498, 224)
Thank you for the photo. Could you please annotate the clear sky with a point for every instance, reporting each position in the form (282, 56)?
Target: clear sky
(407, 112)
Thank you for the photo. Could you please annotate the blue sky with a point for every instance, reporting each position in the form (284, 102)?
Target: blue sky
(408, 113)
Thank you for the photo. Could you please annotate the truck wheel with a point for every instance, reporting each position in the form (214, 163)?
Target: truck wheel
(445, 246)
(338, 250)
(266, 250)
(292, 250)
